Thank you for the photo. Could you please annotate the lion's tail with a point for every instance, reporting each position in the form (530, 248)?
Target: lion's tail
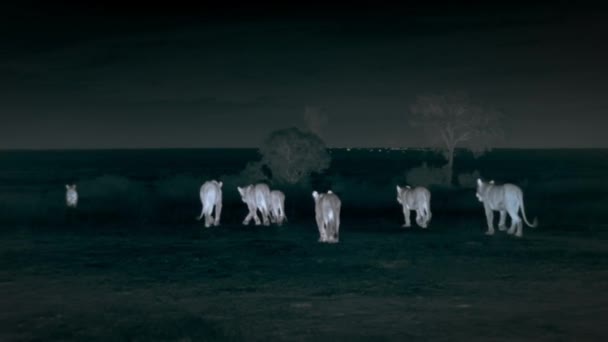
(523, 211)
(203, 212)
(198, 218)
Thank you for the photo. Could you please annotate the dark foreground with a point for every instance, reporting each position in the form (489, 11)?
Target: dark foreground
(381, 283)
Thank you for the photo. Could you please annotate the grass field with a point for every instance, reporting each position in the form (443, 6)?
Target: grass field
(132, 264)
(381, 283)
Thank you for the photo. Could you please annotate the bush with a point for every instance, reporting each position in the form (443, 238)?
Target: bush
(180, 189)
(177, 199)
(468, 180)
(33, 207)
(293, 155)
(427, 176)
(253, 173)
(19, 208)
(109, 197)
(361, 194)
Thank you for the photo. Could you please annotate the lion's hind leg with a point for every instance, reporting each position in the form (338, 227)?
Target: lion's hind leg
(208, 218)
(516, 224)
(332, 231)
(427, 213)
(501, 222)
(519, 232)
(323, 236)
(490, 221)
(251, 215)
(406, 214)
(337, 224)
(321, 228)
(256, 219)
(218, 213)
(273, 216)
(265, 215)
(421, 218)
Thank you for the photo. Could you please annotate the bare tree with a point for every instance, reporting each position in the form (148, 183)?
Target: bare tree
(315, 119)
(453, 121)
(292, 155)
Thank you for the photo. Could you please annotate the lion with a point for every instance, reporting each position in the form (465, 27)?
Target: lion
(211, 196)
(506, 198)
(419, 199)
(71, 196)
(277, 207)
(257, 197)
(327, 215)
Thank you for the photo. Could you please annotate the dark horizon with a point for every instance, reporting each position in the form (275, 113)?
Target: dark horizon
(118, 77)
(428, 149)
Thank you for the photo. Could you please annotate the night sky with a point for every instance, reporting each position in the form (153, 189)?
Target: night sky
(75, 76)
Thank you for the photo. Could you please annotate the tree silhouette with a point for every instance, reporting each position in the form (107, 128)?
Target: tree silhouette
(453, 121)
(292, 155)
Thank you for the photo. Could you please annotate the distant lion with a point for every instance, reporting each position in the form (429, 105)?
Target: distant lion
(211, 196)
(71, 196)
(507, 198)
(277, 207)
(419, 199)
(257, 197)
(327, 215)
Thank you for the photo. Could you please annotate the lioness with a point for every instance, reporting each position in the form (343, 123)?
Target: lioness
(211, 196)
(419, 199)
(277, 207)
(327, 215)
(71, 196)
(257, 197)
(507, 198)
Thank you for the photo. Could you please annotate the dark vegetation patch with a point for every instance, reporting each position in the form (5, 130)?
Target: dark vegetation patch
(131, 263)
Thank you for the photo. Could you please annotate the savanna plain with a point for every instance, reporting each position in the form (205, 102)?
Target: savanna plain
(131, 263)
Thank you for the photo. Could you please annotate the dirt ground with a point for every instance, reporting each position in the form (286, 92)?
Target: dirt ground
(380, 283)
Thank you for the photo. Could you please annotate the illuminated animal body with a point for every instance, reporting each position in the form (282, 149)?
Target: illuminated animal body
(277, 207)
(71, 196)
(257, 198)
(327, 215)
(506, 198)
(418, 199)
(211, 196)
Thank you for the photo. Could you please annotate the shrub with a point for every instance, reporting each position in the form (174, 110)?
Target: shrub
(427, 176)
(109, 196)
(468, 179)
(19, 207)
(181, 188)
(253, 173)
(293, 155)
(361, 194)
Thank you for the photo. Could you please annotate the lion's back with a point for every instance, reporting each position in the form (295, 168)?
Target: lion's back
(261, 190)
(502, 197)
(211, 189)
(71, 197)
(277, 198)
(422, 194)
(257, 195)
(330, 204)
(416, 197)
